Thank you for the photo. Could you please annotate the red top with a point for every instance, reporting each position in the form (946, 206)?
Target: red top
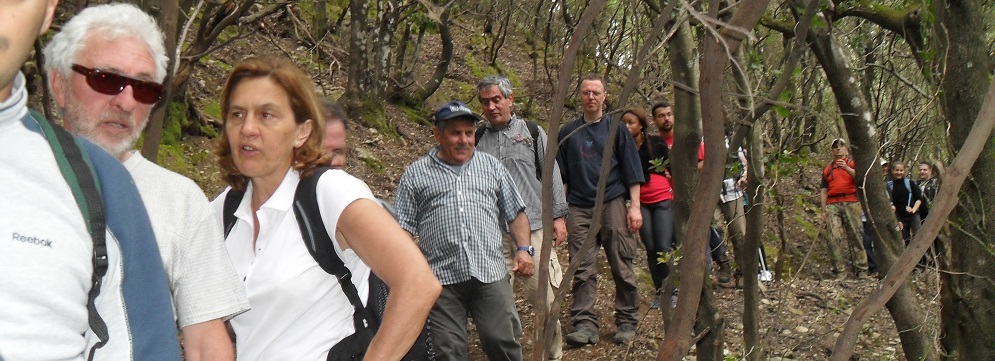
(701, 148)
(660, 188)
(840, 185)
(657, 189)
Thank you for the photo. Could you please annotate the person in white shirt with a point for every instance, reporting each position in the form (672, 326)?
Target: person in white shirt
(64, 297)
(105, 68)
(272, 138)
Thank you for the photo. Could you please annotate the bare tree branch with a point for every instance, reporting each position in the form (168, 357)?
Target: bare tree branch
(800, 32)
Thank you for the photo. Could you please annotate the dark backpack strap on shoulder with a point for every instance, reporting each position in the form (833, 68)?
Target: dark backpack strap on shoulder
(319, 244)
(534, 131)
(232, 199)
(478, 134)
(78, 171)
(908, 187)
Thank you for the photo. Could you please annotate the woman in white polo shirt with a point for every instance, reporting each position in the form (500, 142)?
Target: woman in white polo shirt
(272, 137)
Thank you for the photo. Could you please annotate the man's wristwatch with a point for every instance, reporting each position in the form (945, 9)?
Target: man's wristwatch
(529, 249)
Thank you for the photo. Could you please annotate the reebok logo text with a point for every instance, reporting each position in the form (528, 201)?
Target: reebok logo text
(32, 240)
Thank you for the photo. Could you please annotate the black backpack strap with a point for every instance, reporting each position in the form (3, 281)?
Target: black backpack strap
(533, 130)
(319, 244)
(232, 199)
(78, 172)
(478, 134)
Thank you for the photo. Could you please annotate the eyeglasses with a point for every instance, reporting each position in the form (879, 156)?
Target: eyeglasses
(113, 84)
(591, 93)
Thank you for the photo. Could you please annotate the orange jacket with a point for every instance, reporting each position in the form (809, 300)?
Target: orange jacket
(840, 186)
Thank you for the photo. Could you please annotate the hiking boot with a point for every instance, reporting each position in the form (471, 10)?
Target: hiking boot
(838, 275)
(582, 336)
(863, 275)
(624, 333)
(656, 302)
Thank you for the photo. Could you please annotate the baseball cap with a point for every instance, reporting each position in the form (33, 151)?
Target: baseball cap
(454, 109)
(838, 143)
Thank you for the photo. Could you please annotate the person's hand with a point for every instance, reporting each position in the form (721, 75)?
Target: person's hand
(524, 265)
(910, 210)
(634, 219)
(823, 215)
(559, 231)
(741, 183)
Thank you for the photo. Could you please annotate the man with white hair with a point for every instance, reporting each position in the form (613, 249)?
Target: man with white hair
(105, 71)
(82, 277)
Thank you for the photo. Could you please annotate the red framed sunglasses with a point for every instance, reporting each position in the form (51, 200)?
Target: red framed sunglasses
(108, 83)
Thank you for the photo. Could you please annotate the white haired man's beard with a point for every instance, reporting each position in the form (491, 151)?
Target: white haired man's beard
(78, 120)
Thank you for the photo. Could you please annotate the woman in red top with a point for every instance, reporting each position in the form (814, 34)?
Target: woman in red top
(655, 197)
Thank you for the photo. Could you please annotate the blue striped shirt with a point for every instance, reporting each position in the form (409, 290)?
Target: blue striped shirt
(457, 215)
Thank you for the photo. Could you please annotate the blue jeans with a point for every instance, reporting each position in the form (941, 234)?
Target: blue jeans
(658, 237)
(872, 264)
(716, 248)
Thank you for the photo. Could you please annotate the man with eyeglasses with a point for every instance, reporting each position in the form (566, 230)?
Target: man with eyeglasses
(105, 71)
(582, 143)
(81, 273)
(841, 212)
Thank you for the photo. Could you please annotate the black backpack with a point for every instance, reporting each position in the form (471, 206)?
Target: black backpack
(366, 319)
(533, 130)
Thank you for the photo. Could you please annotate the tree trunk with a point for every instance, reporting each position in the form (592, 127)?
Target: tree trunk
(782, 252)
(968, 293)
(356, 86)
(755, 191)
(389, 15)
(946, 199)
(710, 328)
(683, 161)
(446, 57)
(169, 21)
(746, 252)
(497, 39)
(714, 60)
(635, 72)
(794, 54)
(214, 20)
(320, 19)
(903, 306)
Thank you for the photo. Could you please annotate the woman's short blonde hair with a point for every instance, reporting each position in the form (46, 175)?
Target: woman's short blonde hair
(304, 102)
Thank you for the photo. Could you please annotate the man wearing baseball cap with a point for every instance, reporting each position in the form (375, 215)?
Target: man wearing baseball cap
(841, 212)
(455, 200)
